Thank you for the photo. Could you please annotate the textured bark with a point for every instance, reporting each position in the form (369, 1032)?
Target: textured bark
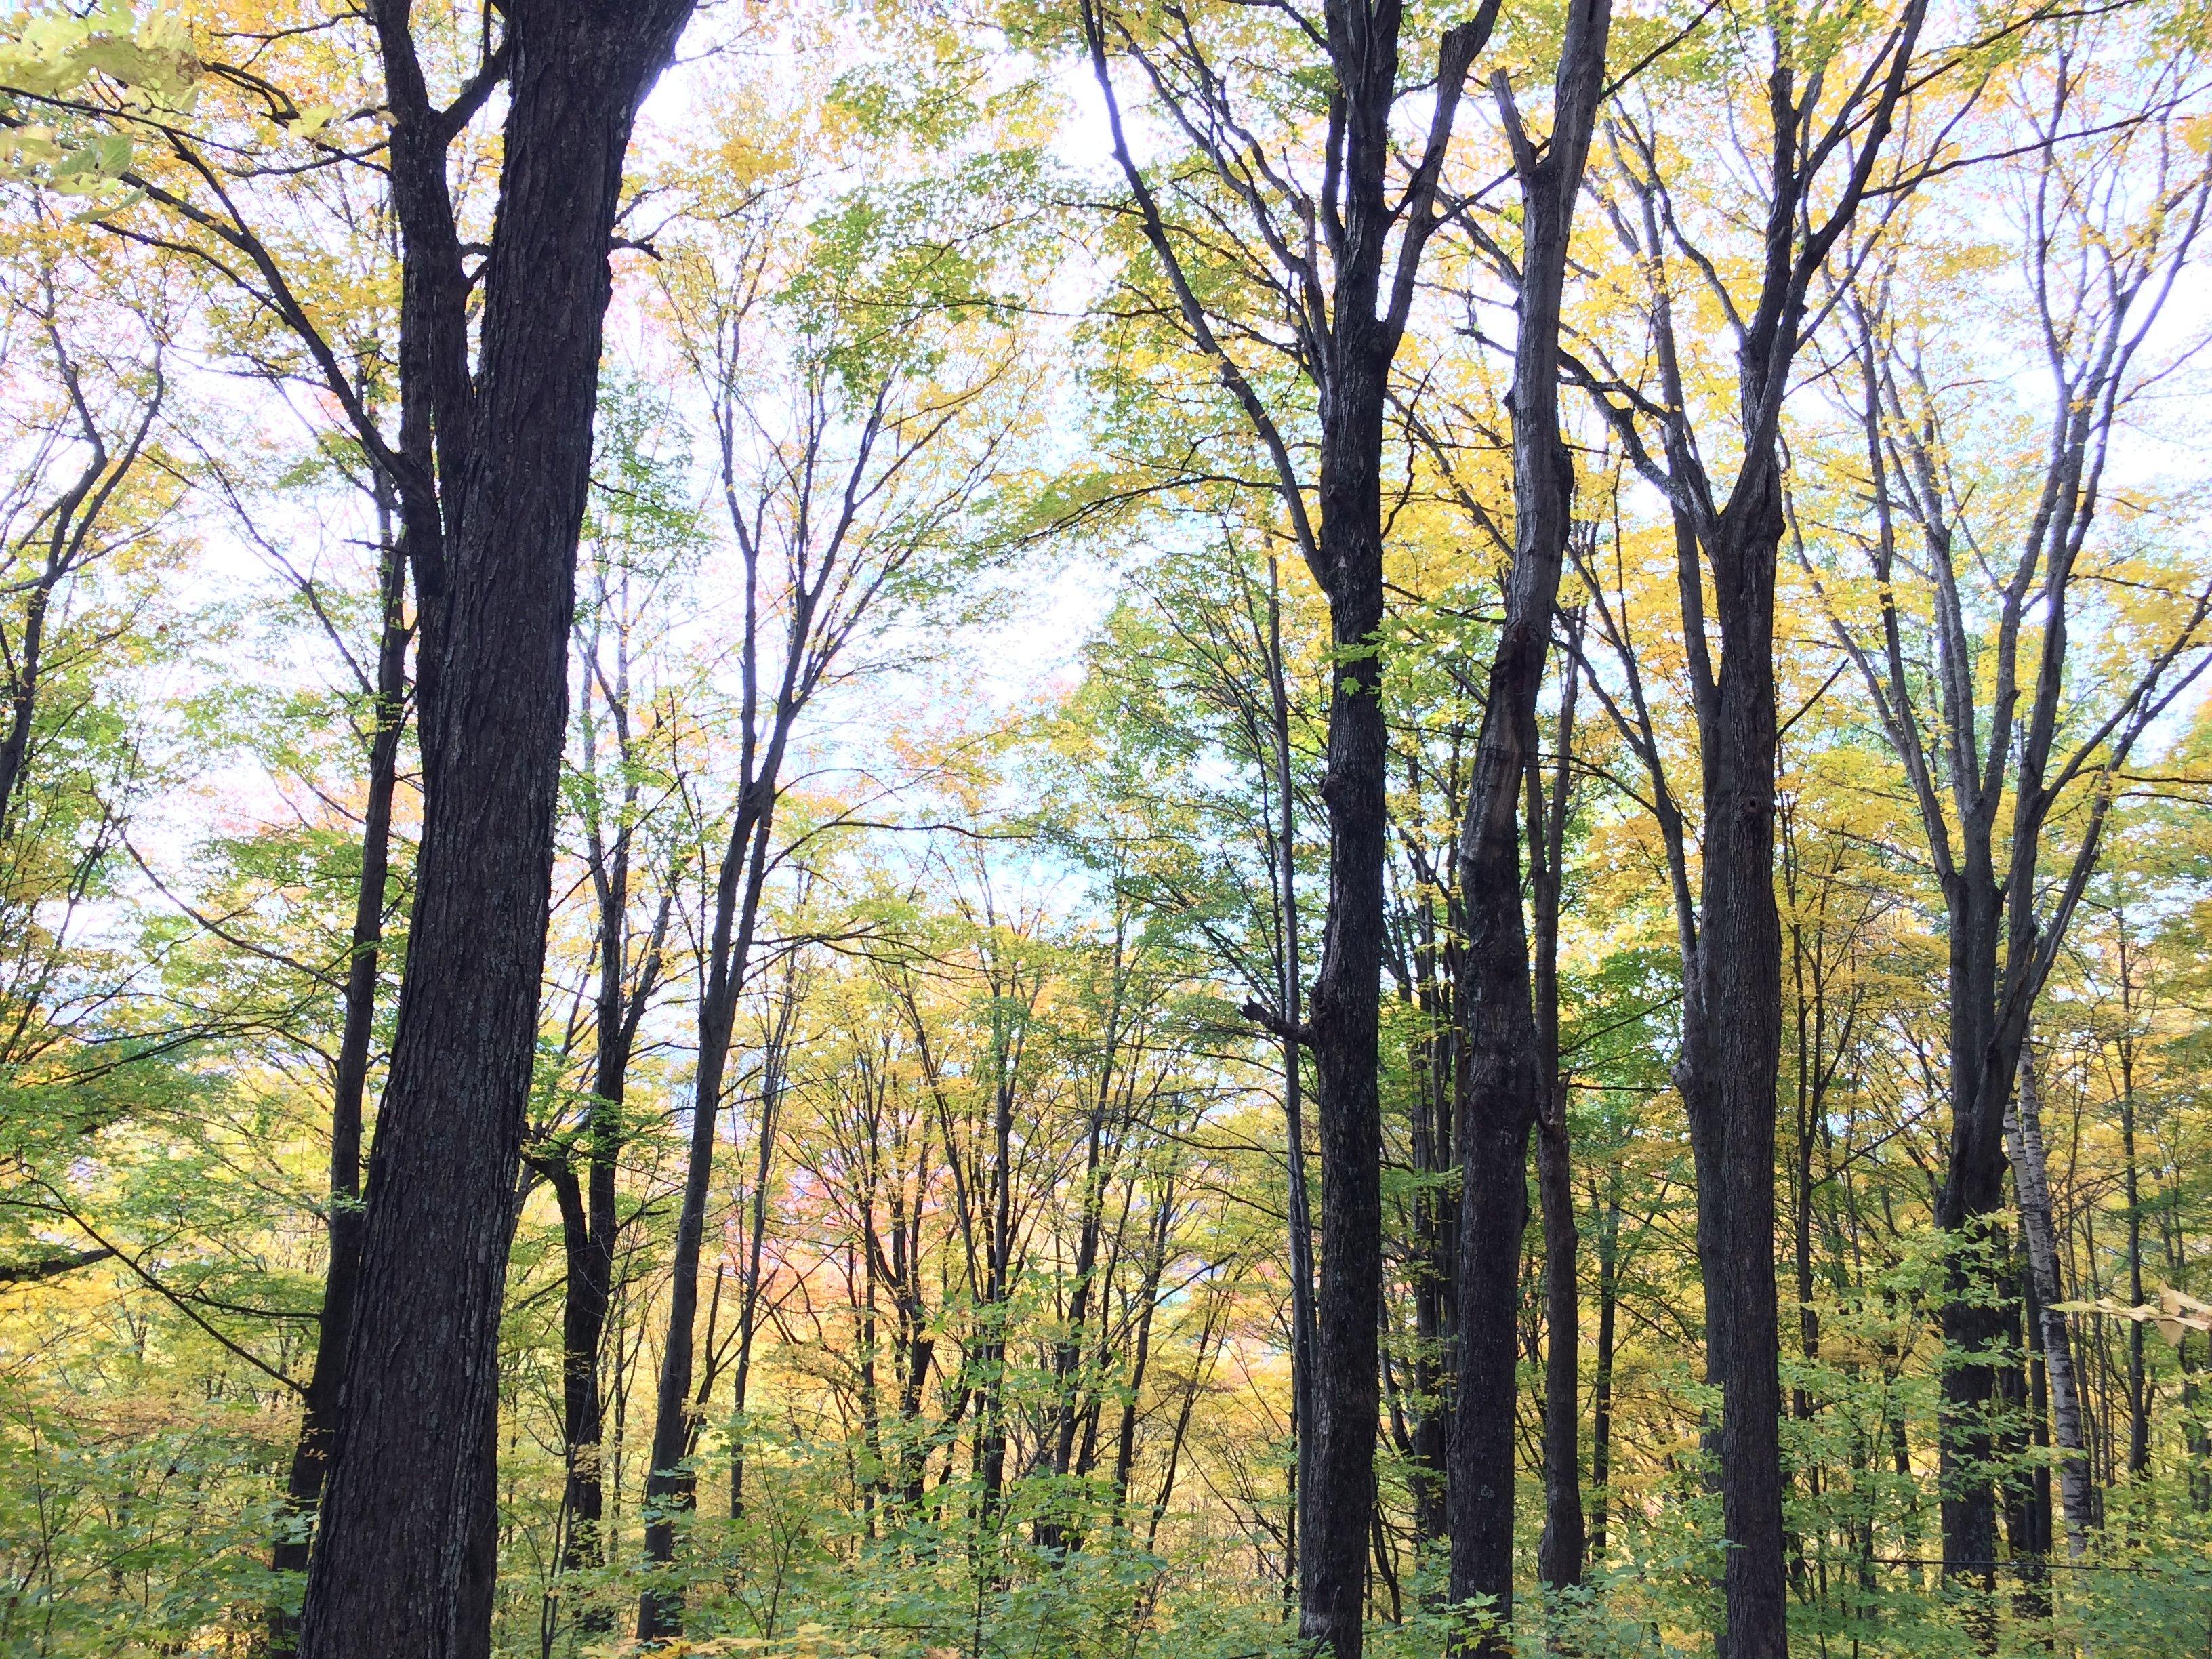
(321, 1400)
(2031, 1182)
(403, 1563)
(1731, 1052)
(1504, 1080)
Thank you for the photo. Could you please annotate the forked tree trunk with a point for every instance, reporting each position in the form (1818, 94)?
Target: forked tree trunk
(1731, 1052)
(405, 1562)
(1503, 1081)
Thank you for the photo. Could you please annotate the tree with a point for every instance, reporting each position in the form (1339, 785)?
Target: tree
(1505, 1082)
(491, 469)
(1731, 1028)
(859, 392)
(1321, 257)
(1988, 776)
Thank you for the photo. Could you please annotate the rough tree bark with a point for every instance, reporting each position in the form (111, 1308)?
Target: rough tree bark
(1351, 314)
(1503, 1084)
(343, 1221)
(404, 1562)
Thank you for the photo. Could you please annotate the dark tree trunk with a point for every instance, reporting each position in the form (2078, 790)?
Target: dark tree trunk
(1731, 1053)
(1976, 1319)
(1503, 1081)
(1561, 1549)
(1608, 1306)
(405, 1560)
(590, 1224)
(1731, 1045)
(1351, 323)
(303, 1483)
(1340, 1474)
(672, 1483)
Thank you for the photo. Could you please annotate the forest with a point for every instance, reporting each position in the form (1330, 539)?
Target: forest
(1105, 829)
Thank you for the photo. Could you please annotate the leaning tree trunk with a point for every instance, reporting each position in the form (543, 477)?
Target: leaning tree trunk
(303, 1485)
(405, 1562)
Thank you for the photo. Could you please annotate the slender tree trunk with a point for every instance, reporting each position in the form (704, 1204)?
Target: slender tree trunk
(1561, 1549)
(1289, 1002)
(748, 1292)
(1609, 1302)
(2028, 1525)
(2032, 1184)
(341, 1270)
(590, 1224)
(405, 1561)
(672, 1483)
(2138, 1388)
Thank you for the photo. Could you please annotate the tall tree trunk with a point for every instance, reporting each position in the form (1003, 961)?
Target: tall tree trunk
(1975, 1317)
(672, 1483)
(1503, 1081)
(1338, 1492)
(2031, 1182)
(1608, 1305)
(1351, 324)
(303, 1484)
(1290, 1005)
(1561, 1549)
(403, 1561)
(1731, 1056)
